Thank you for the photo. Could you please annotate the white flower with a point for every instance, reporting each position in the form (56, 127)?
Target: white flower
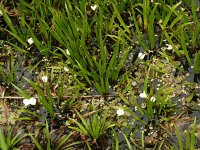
(44, 79)
(31, 101)
(153, 99)
(66, 69)
(169, 47)
(143, 95)
(30, 41)
(67, 51)
(141, 56)
(120, 112)
(26, 102)
(136, 108)
(94, 7)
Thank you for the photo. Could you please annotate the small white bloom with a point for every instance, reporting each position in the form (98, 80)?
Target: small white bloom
(30, 41)
(141, 56)
(66, 69)
(120, 112)
(94, 7)
(169, 47)
(44, 79)
(67, 51)
(143, 95)
(153, 99)
(31, 101)
(26, 102)
(136, 108)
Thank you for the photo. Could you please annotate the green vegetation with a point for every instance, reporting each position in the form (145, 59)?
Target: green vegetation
(99, 74)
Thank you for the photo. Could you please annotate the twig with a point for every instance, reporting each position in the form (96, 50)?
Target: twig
(54, 97)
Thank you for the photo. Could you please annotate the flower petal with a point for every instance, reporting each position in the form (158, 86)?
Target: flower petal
(143, 95)
(120, 112)
(32, 101)
(30, 41)
(94, 7)
(44, 79)
(153, 99)
(66, 69)
(67, 51)
(141, 56)
(26, 102)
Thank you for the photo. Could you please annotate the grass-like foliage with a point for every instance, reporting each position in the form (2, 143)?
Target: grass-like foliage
(94, 127)
(78, 74)
(96, 65)
(10, 137)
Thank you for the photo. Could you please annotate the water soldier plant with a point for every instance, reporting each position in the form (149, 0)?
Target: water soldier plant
(99, 74)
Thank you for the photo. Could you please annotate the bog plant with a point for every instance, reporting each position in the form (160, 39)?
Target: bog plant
(146, 17)
(9, 72)
(11, 136)
(60, 142)
(188, 140)
(93, 127)
(93, 41)
(45, 99)
(97, 66)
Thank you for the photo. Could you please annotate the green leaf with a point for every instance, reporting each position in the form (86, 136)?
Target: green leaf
(22, 92)
(127, 141)
(37, 144)
(197, 63)
(62, 141)
(48, 106)
(193, 136)
(179, 138)
(80, 127)
(13, 31)
(115, 141)
(3, 144)
(84, 121)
